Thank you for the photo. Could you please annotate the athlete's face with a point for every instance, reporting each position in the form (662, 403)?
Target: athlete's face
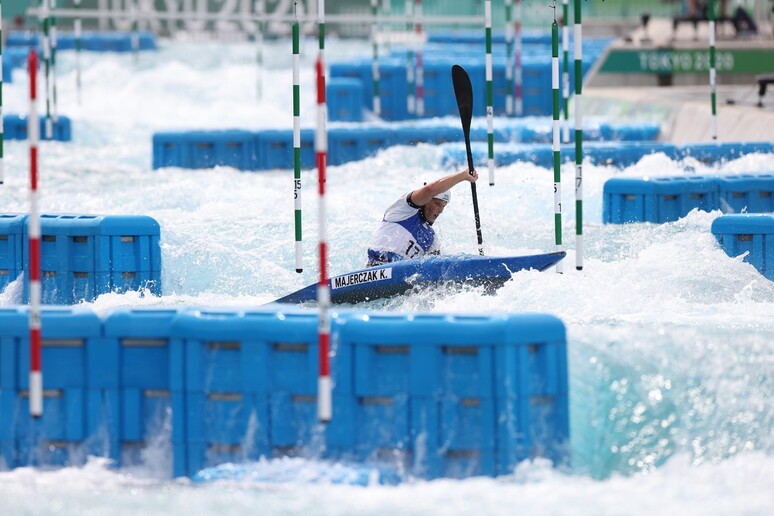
(433, 209)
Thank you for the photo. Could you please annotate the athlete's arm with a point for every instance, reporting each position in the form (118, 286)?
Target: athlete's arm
(422, 196)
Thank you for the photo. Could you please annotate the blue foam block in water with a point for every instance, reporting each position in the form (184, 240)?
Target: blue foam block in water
(658, 199)
(746, 193)
(344, 98)
(753, 234)
(15, 128)
(66, 335)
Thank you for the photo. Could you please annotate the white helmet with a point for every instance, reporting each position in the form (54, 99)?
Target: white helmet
(444, 196)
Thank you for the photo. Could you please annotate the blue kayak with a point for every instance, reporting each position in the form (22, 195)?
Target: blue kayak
(398, 277)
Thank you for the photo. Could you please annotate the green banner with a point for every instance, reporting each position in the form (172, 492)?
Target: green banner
(688, 61)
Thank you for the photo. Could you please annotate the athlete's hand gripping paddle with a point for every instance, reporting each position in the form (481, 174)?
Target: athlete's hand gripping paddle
(464, 93)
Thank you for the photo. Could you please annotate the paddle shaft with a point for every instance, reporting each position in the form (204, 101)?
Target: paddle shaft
(475, 196)
(463, 90)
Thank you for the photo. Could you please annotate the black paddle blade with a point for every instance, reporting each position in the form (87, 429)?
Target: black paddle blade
(464, 93)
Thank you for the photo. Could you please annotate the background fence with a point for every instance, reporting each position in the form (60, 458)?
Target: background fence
(536, 13)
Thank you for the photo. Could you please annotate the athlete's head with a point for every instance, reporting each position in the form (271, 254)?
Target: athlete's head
(434, 208)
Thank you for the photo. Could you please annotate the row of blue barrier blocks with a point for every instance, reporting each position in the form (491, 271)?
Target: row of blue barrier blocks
(273, 148)
(752, 234)
(90, 41)
(666, 199)
(83, 256)
(442, 395)
(439, 98)
(620, 154)
(15, 128)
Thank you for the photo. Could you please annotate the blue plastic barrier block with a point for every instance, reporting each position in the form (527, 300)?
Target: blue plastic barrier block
(436, 135)
(23, 39)
(658, 199)
(375, 139)
(537, 426)
(208, 149)
(235, 363)
(7, 70)
(623, 154)
(464, 376)
(533, 361)
(540, 155)
(293, 419)
(135, 358)
(399, 353)
(83, 256)
(628, 132)
(369, 427)
(248, 349)
(227, 418)
(170, 149)
(201, 149)
(12, 243)
(745, 193)
(344, 97)
(456, 435)
(16, 57)
(718, 152)
(66, 335)
(100, 243)
(15, 128)
(393, 90)
(438, 87)
(346, 145)
(753, 234)
(274, 149)
(235, 149)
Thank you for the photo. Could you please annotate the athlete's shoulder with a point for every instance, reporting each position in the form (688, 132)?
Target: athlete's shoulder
(401, 209)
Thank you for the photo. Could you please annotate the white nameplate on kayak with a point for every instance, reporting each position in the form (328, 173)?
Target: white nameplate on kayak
(358, 278)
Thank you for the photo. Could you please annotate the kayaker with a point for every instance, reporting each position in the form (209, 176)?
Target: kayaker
(406, 231)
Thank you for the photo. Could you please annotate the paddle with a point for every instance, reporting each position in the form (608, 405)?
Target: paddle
(464, 93)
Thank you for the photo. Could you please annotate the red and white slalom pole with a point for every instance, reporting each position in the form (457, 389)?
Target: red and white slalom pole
(33, 136)
(324, 386)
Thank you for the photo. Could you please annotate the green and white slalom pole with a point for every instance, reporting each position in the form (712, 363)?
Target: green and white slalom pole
(324, 384)
(297, 142)
(54, 109)
(259, 26)
(411, 100)
(49, 132)
(489, 100)
(77, 30)
(566, 71)
(2, 129)
(375, 58)
(555, 145)
(518, 71)
(712, 71)
(508, 58)
(578, 37)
